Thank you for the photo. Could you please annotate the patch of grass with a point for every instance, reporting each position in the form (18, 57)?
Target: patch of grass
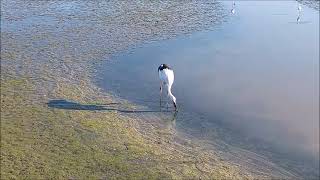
(39, 142)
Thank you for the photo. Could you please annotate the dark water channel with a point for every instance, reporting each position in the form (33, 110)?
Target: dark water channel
(252, 82)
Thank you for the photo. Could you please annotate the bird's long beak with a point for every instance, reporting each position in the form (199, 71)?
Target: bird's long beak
(175, 106)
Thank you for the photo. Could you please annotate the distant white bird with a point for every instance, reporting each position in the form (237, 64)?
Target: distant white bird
(299, 12)
(299, 7)
(233, 10)
(298, 19)
(166, 76)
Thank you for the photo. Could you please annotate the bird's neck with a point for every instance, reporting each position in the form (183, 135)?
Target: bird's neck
(170, 94)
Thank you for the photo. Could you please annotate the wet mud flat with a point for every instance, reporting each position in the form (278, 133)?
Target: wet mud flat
(315, 4)
(55, 123)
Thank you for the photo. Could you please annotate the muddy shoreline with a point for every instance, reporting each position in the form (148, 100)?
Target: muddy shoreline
(55, 123)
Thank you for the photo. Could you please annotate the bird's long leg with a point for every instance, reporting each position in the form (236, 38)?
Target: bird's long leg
(160, 93)
(167, 97)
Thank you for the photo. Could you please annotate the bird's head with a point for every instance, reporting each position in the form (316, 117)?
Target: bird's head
(160, 67)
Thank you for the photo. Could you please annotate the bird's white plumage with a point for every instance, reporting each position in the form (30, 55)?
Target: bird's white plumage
(166, 77)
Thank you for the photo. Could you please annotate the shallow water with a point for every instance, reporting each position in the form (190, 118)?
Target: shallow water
(252, 82)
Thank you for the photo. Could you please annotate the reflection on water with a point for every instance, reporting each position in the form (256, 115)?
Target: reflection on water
(256, 79)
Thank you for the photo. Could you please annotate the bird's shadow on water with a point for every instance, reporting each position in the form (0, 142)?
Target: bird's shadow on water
(69, 105)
